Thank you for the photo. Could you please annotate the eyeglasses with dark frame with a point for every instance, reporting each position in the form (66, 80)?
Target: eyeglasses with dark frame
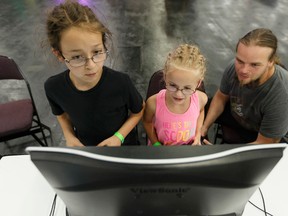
(81, 60)
(186, 91)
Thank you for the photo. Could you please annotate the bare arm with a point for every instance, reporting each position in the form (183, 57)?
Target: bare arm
(202, 102)
(148, 119)
(216, 108)
(67, 128)
(265, 140)
(129, 124)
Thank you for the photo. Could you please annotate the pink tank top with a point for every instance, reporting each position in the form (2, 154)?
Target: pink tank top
(172, 128)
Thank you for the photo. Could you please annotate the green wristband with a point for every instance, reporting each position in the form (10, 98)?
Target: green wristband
(120, 136)
(157, 144)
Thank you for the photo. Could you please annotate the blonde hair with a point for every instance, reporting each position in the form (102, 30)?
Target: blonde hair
(186, 56)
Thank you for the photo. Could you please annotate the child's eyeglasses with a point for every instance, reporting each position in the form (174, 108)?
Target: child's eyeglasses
(186, 91)
(81, 60)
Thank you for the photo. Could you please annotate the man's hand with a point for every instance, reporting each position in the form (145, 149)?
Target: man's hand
(206, 142)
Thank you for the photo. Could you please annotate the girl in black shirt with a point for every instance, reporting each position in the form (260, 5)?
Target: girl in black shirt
(94, 105)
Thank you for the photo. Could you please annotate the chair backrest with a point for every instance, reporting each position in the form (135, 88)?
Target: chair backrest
(19, 116)
(157, 83)
(9, 69)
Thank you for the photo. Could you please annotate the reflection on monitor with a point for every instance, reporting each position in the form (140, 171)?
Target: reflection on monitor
(156, 181)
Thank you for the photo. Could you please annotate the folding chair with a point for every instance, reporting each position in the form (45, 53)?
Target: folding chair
(19, 117)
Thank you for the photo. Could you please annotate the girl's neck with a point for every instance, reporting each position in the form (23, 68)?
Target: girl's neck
(82, 85)
(177, 108)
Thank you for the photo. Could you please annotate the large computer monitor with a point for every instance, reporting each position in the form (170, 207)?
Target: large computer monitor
(156, 181)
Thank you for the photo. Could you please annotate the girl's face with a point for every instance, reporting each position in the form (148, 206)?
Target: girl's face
(181, 84)
(77, 43)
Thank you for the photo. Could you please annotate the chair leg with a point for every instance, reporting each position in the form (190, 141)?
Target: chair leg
(45, 127)
(45, 144)
(218, 134)
(41, 129)
(216, 128)
(50, 133)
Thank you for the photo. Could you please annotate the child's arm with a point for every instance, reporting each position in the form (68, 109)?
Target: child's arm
(202, 102)
(128, 125)
(67, 128)
(149, 113)
(200, 120)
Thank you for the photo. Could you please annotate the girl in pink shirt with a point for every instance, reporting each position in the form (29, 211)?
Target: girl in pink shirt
(175, 115)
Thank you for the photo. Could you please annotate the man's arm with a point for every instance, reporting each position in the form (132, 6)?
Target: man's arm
(215, 109)
(265, 140)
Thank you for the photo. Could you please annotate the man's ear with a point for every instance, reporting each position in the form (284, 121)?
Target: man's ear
(58, 54)
(271, 63)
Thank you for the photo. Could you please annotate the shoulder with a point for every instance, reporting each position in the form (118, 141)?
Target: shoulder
(282, 73)
(151, 103)
(159, 97)
(58, 76)
(202, 97)
(116, 78)
(281, 79)
(56, 80)
(228, 79)
(275, 91)
(152, 99)
(115, 74)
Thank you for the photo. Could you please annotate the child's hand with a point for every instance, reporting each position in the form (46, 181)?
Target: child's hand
(197, 141)
(111, 141)
(73, 141)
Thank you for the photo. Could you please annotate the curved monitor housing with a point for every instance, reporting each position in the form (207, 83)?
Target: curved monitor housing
(148, 181)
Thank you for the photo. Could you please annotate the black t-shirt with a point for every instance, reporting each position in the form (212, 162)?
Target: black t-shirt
(99, 112)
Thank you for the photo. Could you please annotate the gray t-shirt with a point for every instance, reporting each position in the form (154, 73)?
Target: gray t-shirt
(263, 108)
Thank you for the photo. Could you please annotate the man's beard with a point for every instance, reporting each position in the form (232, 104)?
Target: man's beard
(251, 84)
